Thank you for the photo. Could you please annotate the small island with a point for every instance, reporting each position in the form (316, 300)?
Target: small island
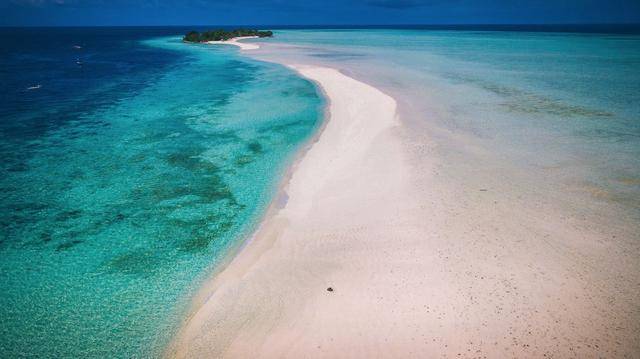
(224, 35)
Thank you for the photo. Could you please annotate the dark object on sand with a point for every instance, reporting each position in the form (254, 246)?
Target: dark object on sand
(329, 289)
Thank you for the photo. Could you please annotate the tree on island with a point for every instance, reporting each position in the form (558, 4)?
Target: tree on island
(223, 35)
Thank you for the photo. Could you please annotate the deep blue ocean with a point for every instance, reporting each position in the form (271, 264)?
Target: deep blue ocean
(131, 164)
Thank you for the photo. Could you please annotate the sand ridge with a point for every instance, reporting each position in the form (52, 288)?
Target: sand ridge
(356, 162)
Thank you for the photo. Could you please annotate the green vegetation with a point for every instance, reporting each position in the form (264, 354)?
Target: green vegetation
(223, 35)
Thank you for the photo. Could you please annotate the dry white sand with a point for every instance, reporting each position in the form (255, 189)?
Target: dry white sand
(417, 269)
(236, 41)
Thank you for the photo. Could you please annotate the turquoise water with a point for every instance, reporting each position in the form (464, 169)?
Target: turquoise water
(126, 179)
(564, 107)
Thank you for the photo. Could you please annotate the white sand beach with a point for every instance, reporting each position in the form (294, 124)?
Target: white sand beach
(416, 268)
(320, 238)
(236, 41)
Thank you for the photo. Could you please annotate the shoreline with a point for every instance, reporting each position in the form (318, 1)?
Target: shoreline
(236, 42)
(248, 253)
(210, 285)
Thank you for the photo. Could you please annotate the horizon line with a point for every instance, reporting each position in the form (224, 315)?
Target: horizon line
(339, 25)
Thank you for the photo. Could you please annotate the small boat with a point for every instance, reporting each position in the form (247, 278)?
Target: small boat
(34, 87)
(79, 62)
(77, 47)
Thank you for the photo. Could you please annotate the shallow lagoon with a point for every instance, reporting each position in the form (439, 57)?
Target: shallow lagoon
(558, 108)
